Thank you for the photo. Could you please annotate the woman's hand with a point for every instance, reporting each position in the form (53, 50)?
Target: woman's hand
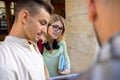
(64, 72)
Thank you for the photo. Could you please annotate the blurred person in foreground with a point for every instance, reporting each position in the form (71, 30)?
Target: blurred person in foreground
(19, 56)
(105, 17)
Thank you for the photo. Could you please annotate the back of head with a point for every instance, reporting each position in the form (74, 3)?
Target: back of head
(32, 6)
(104, 14)
(110, 5)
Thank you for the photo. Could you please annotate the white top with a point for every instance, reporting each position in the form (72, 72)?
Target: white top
(18, 61)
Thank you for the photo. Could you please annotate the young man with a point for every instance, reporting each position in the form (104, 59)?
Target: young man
(19, 57)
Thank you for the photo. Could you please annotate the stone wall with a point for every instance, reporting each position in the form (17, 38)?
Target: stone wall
(80, 37)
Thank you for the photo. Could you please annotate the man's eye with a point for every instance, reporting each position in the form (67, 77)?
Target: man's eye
(43, 22)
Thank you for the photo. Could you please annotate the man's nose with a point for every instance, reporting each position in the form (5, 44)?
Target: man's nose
(44, 29)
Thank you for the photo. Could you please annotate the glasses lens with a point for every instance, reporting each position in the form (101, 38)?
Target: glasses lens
(56, 28)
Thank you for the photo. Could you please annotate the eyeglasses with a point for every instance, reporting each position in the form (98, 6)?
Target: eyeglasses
(56, 28)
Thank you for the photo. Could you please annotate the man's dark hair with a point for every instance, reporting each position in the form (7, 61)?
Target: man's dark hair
(32, 6)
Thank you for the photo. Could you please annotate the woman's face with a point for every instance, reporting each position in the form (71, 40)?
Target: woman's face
(55, 30)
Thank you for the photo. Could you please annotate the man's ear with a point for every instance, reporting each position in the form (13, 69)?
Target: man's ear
(91, 10)
(24, 16)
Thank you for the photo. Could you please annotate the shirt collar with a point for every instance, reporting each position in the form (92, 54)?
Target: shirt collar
(23, 42)
(16, 40)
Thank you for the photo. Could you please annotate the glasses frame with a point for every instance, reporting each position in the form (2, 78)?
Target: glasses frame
(57, 28)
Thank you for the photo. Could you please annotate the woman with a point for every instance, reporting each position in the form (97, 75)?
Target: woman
(55, 47)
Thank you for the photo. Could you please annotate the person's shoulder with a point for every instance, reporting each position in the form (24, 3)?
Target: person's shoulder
(7, 74)
(62, 42)
(109, 49)
(6, 49)
(3, 46)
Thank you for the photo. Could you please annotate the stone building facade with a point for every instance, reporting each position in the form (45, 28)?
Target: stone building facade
(80, 37)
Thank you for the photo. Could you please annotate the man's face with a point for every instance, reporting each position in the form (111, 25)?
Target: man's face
(37, 25)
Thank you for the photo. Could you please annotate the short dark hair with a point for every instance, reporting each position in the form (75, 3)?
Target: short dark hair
(31, 6)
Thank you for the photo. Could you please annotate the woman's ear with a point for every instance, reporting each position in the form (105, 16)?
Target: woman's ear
(92, 14)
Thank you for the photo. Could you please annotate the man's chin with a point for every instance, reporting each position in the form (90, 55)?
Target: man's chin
(37, 39)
